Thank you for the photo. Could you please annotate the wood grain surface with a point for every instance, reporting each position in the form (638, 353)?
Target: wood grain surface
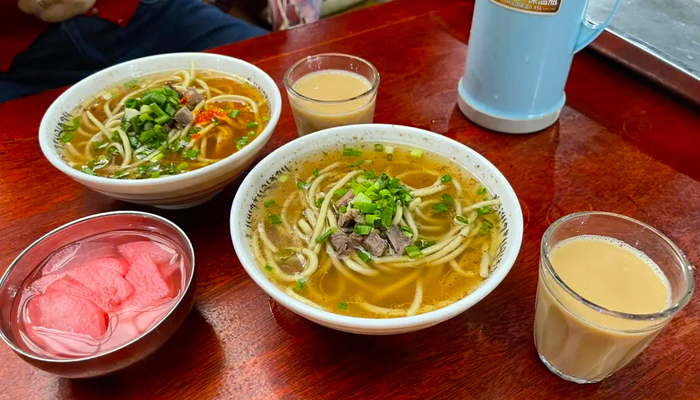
(621, 145)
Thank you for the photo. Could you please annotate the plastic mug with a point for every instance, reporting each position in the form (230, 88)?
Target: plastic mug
(518, 60)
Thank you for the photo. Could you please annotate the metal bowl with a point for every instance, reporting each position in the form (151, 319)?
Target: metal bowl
(120, 357)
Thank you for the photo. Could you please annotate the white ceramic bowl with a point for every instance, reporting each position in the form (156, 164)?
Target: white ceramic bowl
(176, 191)
(253, 186)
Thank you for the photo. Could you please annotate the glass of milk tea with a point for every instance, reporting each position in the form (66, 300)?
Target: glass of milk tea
(608, 284)
(328, 90)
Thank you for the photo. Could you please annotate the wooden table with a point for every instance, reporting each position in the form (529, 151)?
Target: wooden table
(621, 145)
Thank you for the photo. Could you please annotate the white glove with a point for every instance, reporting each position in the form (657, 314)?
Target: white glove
(55, 10)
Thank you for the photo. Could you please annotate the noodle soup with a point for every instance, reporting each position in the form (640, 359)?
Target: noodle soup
(376, 230)
(164, 124)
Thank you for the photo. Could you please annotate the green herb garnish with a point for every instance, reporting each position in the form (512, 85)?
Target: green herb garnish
(413, 251)
(191, 154)
(275, 219)
(326, 235)
(350, 152)
(440, 208)
(269, 203)
(446, 178)
(448, 200)
(342, 306)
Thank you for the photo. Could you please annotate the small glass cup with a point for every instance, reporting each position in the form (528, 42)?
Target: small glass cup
(568, 343)
(311, 114)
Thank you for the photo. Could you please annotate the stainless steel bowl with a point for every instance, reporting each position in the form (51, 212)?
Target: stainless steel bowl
(122, 356)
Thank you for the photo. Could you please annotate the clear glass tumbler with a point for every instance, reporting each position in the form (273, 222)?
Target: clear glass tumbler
(581, 341)
(313, 114)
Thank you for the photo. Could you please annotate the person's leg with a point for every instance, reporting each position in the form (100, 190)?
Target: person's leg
(72, 50)
(50, 62)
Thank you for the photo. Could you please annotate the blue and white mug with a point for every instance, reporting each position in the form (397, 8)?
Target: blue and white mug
(518, 59)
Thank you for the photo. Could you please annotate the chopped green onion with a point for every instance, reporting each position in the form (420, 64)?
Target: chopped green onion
(367, 208)
(363, 230)
(486, 226)
(364, 256)
(163, 119)
(446, 178)
(251, 133)
(183, 166)
(389, 150)
(88, 171)
(66, 137)
(369, 174)
(350, 152)
(195, 130)
(268, 268)
(131, 103)
(155, 174)
(378, 147)
(300, 286)
(440, 208)
(319, 202)
(241, 142)
(416, 153)
(371, 219)
(275, 219)
(234, 113)
(406, 230)
(100, 145)
(357, 163)
(482, 190)
(253, 124)
(315, 172)
(342, 306)
(156, 110)
(147, 135)
(158, 157)
(170, 110)
(301, 184)
(413, 251)
(120, 174)
(343, 209)
(326, 235)
(448, 200)
(269, 203)
(387, 214)
(422, 243)
(360, 198)
(338, 193)
(462, 220)
(265, 118)
(132, 84)
(483, 210)
(191, 154)
(283, 178)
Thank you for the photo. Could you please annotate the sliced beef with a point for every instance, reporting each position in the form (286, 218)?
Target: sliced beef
(349, 218)
(193, 97)
(375, 244)
(398, 240)
(183, 116)
(345, 200)
(345, 244)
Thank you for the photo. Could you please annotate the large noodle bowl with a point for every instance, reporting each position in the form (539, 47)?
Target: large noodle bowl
(376, 231)
(164, 124)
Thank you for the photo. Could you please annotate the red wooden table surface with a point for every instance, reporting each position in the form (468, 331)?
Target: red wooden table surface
(621, 145)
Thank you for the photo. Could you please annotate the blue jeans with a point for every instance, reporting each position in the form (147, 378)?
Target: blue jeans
(71, 50)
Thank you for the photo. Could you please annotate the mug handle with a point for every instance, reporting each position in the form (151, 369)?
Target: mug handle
(589, 31)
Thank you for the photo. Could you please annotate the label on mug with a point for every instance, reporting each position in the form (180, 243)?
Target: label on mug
(531, 6)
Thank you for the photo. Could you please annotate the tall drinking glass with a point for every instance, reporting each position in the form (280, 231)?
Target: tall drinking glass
(328, 90)
(582, 341)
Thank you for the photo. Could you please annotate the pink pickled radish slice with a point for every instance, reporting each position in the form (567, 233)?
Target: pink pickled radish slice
(150, 286)
(64, 312)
